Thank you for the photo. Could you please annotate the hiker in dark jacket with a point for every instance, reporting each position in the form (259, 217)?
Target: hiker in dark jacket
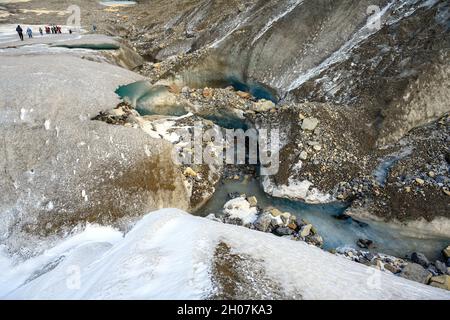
(20, 32)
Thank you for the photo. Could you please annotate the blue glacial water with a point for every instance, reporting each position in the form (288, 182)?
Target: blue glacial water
(336, 229)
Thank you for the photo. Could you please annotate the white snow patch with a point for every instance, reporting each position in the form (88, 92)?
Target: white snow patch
(296, 190)
(239, 208)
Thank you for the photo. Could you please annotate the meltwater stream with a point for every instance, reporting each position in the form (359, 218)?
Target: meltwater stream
(335, 232)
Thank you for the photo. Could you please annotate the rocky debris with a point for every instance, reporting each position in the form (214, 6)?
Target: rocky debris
(241, 211)
(208, 93)
(235, 275)
(200, 180)
(409, 192)
(442, 282)
(407, 76)
(415, 272)
(420, 258)
(401, 267)
(380, 261)
(123, 114)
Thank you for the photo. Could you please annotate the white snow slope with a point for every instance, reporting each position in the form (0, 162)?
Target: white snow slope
(168, 254)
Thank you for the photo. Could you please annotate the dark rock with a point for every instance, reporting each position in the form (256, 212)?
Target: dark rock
(391, 268)
(264, 223)
(415, 272)
(343, 217)
(434, 271)
(420, 258)
(315, 240)
(364, 243)
(233, 195)
(283, 231)
(441, 267)
(369, 256)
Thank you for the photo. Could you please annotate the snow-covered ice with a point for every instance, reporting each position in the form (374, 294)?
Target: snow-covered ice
(169, 254)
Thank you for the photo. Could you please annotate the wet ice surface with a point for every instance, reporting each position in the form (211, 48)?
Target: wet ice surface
(10, 39)
(382, 171)
(117, 3)
(335, 232)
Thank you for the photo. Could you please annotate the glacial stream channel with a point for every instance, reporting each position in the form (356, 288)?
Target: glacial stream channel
(328, 219)
(335, 232)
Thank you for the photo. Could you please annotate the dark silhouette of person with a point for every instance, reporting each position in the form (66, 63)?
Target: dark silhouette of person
(20, 32)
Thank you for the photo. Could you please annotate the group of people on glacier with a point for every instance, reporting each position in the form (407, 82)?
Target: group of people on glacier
(48, 30)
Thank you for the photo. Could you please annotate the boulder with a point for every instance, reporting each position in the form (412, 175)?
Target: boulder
(275, 212)
(441, 267)
(446, 252)
(208, 92)
(415, 272)
(303, 155)
(189, 172)
(263, 105)
(264, 223)
(420, 258)
(420, 181)
(305, 230)
(244, 95)
(253, 201)
(442, 282)
(309, 124)
(364, 243)
(283, 231)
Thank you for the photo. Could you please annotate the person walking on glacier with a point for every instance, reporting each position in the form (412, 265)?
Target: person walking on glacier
(41, 31)
(20, 32)
(29, 32)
